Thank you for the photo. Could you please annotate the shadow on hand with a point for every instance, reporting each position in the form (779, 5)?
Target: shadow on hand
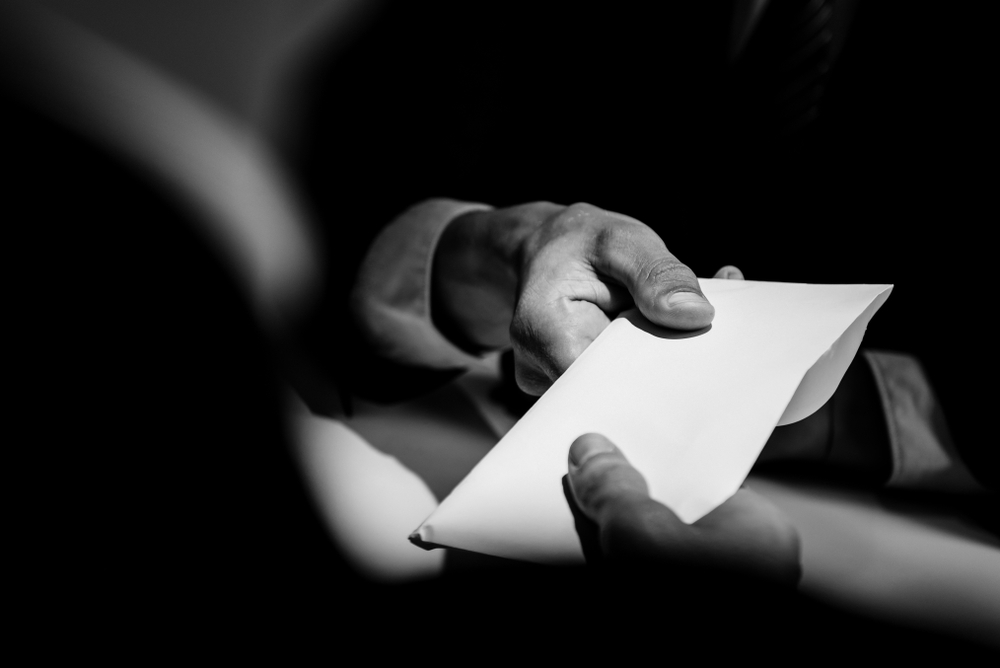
(586, 528)
(515, 401)
(640, 321)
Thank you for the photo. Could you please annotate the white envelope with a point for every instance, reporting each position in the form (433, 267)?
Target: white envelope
(690, 410)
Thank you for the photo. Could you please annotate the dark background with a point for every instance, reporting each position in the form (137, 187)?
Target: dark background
(635, 108)
(156, 500)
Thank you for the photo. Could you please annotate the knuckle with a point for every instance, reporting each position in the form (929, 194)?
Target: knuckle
(583, 209)
(580, 217)
(539, 212)
(663, 269)
(624, 235)
(595, 228)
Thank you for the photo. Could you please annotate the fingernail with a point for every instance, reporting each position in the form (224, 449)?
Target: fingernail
(687, 310)
(587, 447)
(679, 298)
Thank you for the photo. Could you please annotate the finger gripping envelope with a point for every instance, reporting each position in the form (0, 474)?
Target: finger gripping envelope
(690, 410)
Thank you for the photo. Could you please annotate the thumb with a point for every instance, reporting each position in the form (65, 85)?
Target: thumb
(600, 476)
(631, 526)
(664, 288)
(746, 534)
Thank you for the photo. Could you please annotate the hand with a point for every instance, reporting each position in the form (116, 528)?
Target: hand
(746, 534)
(547, 279)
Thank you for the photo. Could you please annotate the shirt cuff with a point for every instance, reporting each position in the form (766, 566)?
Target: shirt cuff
(923, 453)
(391, 298)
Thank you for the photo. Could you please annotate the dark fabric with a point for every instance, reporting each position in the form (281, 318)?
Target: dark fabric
(157, 508)
(635, 108)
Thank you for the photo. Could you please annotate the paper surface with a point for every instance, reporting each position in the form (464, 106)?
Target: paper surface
(691, 411)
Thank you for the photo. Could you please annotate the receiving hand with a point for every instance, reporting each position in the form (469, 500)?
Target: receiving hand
(547, 279)
(746, 534)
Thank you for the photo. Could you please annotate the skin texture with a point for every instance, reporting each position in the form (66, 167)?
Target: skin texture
(746, 534)
(547, 279)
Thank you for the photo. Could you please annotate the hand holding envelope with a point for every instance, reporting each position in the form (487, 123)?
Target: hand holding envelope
(545, 279)
(746, 534)
(690, 410)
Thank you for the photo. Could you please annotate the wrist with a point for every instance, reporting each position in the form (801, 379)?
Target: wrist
(474, 278)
